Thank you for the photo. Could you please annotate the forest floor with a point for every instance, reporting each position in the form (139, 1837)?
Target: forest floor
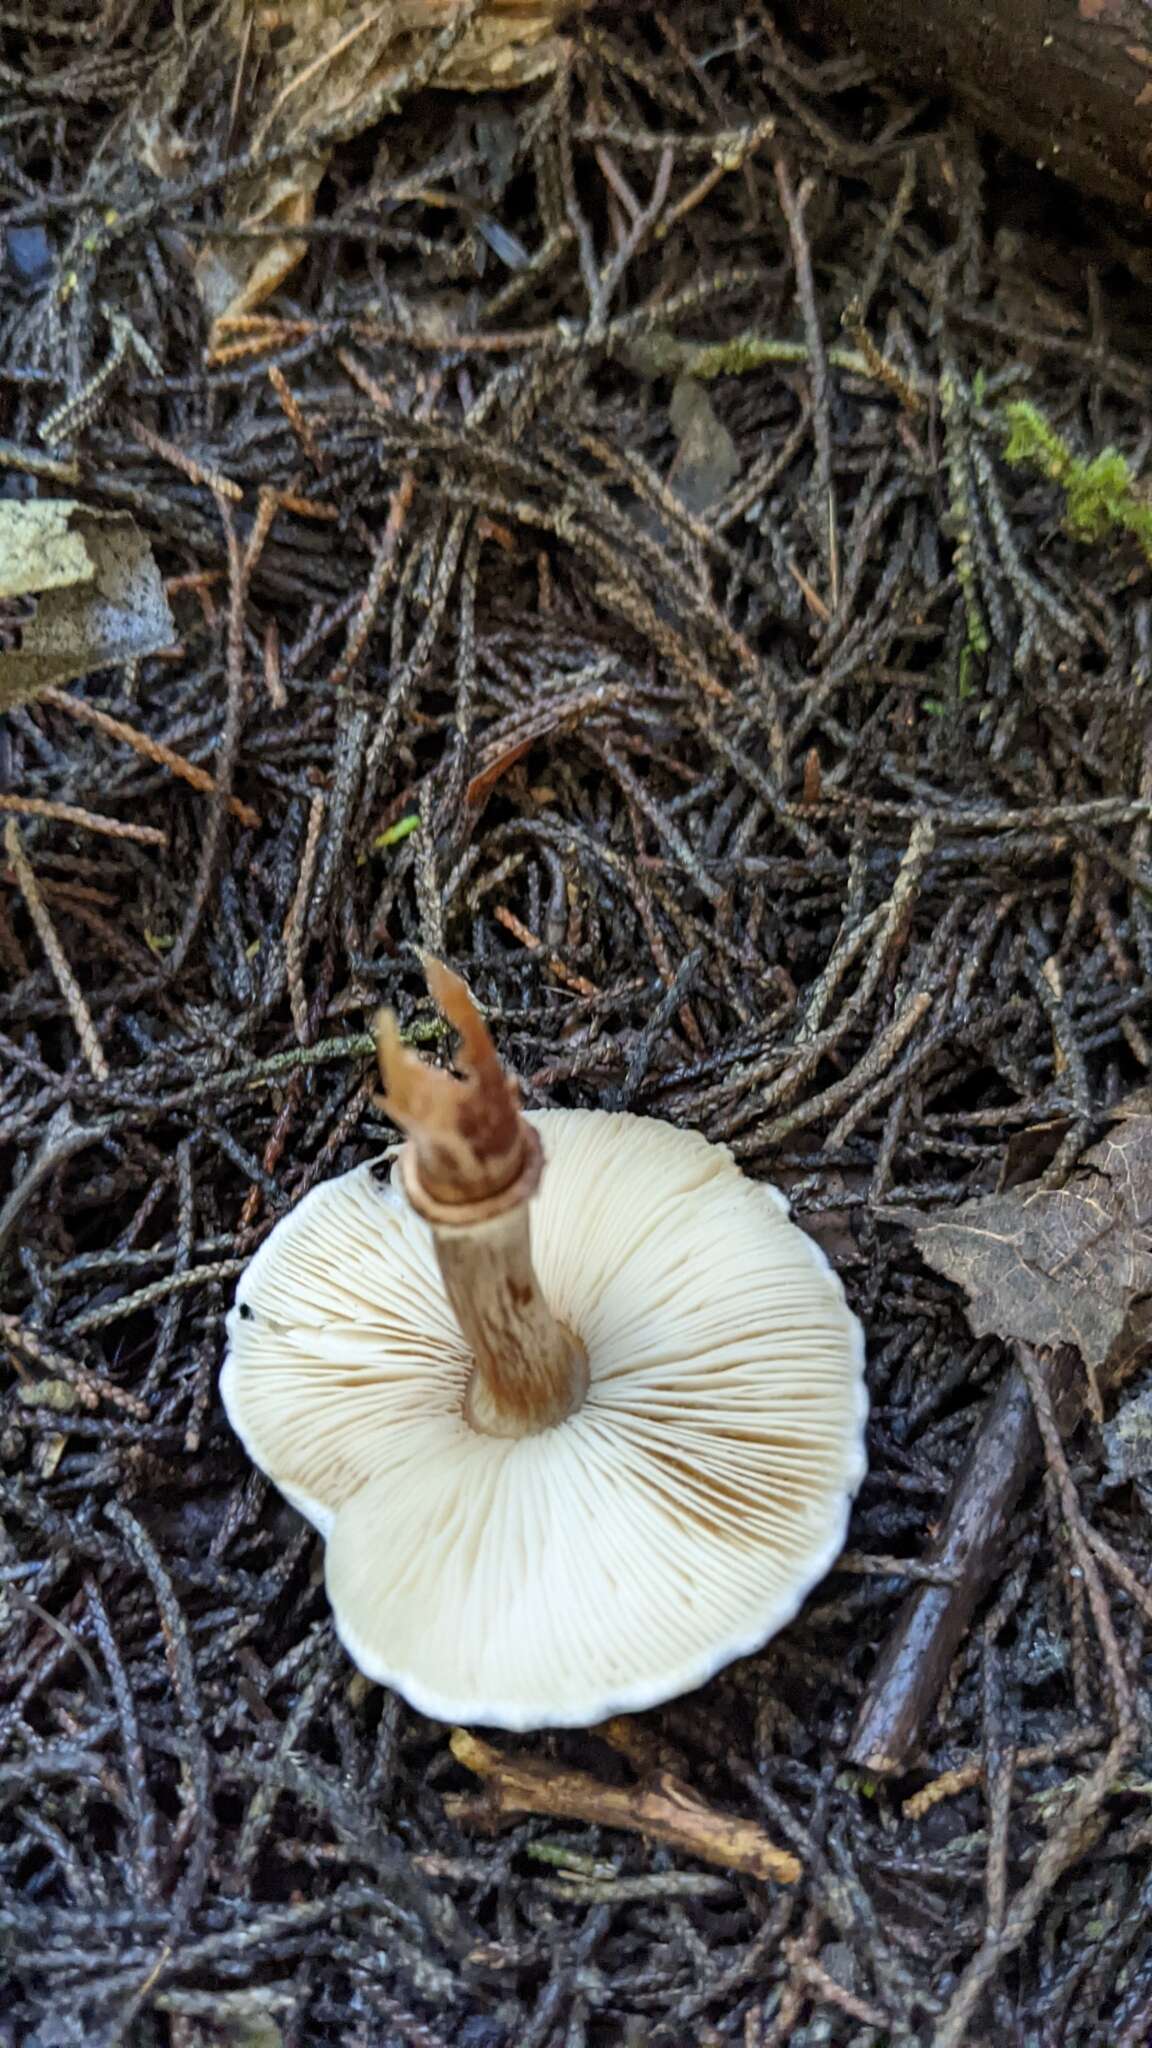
(651, 551)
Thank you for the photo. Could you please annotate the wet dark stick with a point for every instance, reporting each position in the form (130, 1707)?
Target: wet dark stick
(915, 1661)
(1058, 80)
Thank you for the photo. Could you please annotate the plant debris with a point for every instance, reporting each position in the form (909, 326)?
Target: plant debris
(308, 74)
(100, 597)
(1128, 1438)
(1062, 1265)
(816, 816)
(662, 1808)
(1065, 1269)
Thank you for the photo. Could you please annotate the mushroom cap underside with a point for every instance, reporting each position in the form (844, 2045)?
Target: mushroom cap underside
(676, 1521)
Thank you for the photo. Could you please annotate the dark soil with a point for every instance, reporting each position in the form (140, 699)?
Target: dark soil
(786, 775)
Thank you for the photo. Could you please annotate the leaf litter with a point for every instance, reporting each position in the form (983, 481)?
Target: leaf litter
(99, 596)
(1062, 1265)
(812, 812)
(312, 73)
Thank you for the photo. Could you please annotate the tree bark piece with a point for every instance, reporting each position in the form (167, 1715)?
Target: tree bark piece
(1066, 82)
(662, 1808)
(930, 1627)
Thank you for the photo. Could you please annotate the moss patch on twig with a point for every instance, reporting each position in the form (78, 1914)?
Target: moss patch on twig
(1101, 494)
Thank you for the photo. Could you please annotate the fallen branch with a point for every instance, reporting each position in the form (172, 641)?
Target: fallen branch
(1060, 81)
(933, 1621)
(662, 1808)
(1065, 1272)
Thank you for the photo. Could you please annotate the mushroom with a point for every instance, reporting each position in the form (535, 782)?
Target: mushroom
(562, 1472)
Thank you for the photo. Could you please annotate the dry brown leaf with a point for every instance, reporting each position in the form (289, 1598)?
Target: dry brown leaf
(231, 279)
(99, 594)
(1030, 1151)
(330, 69)
(1064, 1266)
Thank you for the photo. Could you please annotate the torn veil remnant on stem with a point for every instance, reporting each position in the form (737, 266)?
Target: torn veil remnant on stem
(559, 1475)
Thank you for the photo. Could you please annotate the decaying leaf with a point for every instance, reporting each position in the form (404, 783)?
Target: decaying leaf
(230, 280)
(1128, 1439)
(1031, 1150)
(1065, 1266)
(329, 52)
(706, 460)
(99, 596)
(316, 72)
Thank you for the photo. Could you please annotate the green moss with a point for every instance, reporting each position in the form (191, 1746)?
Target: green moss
(969, 661)
(402, 829)
(1100, 493)
(661, 354)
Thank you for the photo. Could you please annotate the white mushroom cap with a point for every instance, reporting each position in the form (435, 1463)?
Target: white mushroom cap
(674, 1522)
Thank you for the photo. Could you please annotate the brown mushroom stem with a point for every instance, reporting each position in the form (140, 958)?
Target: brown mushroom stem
(530, 1372)
(470, 1168)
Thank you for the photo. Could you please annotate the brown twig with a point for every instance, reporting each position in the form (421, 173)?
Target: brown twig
(578, 983)
(267, 506)
(966, 1776)
(88, 821)
(827, 1991)
(1077, 1831)
(914, 1662)
(383, 570)
(196, 472)
(663, 1809)
(297, 419)
(142, 743)
(1039, 1388)
(46, 932)
(793, 204)
(273, 680)
(296, 921)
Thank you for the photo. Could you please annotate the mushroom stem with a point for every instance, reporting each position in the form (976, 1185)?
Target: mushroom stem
(470, 1168)
(529, 1372)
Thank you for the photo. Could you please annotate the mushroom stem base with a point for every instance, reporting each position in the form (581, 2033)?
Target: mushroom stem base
(530, 1372)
